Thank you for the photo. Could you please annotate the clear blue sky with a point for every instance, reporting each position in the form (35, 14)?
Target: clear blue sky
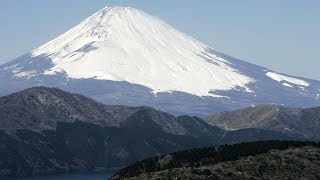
(283, 35)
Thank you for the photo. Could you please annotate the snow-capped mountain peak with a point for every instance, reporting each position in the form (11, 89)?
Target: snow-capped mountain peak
(126, 44)
(121, 55)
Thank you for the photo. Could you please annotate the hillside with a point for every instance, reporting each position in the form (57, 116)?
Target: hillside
(41, 108)
(47, 130)
(256, 160)
(292, 121)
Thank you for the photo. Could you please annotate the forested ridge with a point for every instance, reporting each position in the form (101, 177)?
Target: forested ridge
(208, 156)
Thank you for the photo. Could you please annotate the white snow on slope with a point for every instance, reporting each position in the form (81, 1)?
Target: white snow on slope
(26, 74)
(280, 78)
(125, 44)
(286, 84)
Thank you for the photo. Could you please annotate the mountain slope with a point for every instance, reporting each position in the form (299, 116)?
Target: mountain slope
(83, 147)
(255, 160)
(46, 130)
(41, 108)
(294, 121)
(121, 55)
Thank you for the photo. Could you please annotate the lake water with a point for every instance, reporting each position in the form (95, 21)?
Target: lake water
(64, 177)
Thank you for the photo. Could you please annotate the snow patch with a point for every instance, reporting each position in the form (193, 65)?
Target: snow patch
(10, 67)
(225, 127)
(286, 84)
(280, 78)
(26, 74)
(219, 96)
(16, 70)
(302, 88)
(287, 129)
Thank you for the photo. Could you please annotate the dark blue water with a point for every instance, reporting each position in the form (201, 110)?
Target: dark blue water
(64, 177)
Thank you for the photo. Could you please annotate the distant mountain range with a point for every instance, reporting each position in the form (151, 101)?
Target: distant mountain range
(123, 56)
(46, 130)
(255, 160)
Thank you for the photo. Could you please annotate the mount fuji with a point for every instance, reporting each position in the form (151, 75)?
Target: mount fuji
(121, 55)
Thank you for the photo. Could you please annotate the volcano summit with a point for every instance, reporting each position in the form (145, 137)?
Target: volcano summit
(121, 55)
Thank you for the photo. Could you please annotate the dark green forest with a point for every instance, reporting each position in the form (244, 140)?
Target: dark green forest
(208, 156)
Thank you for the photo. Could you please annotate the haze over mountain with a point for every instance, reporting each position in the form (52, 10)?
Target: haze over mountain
(121, 55)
